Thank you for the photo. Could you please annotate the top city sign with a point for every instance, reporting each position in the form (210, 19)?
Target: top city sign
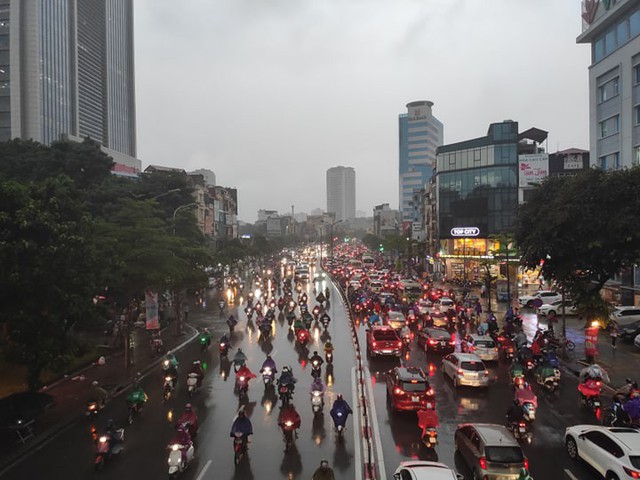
(465, 232)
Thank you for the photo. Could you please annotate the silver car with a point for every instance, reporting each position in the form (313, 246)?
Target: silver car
(482, 345)
(490, 450)
(465, 369)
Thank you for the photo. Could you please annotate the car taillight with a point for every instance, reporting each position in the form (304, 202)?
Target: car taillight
(483, 463)
(460, 371)
(399, 344)
(631, 473)
(452, 342)
(398, 391)
(374, 344)
(432, 341)
(486, 373)
(430, 392)
(526, 463)
(599, 383)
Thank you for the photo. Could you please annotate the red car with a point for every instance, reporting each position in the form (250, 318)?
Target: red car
(408, 390)
(383, 340)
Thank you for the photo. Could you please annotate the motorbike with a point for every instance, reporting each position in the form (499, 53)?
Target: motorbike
(549, 383)
(529, 411)
(317, 401)
(307, 318)
(265, 329)
(521, 431)
(302, 337)
(316, 312)
(325, 321)
(406, 340)
(328, 356)
(93, 408)
(135, 409)
(339, 427)
(242, 385)
(204, 343)
(429, 437)
(168, 387)
(529, 366)
(224, 349)
(107, 447)
(590, 395)
(316, 369)
(267, 377)
(192, 383)
(239, 447)
(284, 391)
(157, 346)
(517, 381)
(178, 464)
(249, 312)
(289, 434)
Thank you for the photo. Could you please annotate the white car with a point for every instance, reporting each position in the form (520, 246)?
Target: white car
(625, 315)
(636, 341)
(443, 304)
(613, 451)
(547, 296)
(555, 308)
(465, 369)
(422, 470)
(424, 306)
(482, 345)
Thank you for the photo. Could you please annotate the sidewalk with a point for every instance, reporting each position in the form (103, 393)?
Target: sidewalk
(70, 393)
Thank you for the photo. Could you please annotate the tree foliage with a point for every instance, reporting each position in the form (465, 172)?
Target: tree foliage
(582, 230)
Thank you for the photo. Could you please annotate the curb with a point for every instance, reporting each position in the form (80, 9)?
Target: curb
(45, 437)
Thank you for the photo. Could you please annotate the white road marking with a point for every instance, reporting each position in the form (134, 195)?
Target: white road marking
(204, 470)
(373, 418)
(568, 473)
(357, 441)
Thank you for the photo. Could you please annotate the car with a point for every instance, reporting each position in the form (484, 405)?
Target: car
(435, 293)
(490, 451)
(355, 284)
(435, 340)
(629, 332)
(555, 308)
(443, 304)
(482, 345)
(624, 316)
(396, 320)
(465, 369)
(614, 452)
(547, 296)
(383, 340)
(408, 389)
(437, 319)
(424, 470)
(636, 341)
(424, 306)
(376, 286)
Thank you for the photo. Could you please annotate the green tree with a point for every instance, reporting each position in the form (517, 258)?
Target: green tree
(372, 242)
(583, 230)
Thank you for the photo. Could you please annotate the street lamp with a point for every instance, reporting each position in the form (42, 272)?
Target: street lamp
(176, 211)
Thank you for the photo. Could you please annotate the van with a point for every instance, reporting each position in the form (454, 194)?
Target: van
(368, 262)
(409, 289)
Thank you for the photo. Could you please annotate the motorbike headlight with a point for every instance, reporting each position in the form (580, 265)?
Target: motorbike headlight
(167, 379)
(288, 423)
(242, 379)
(267, 371)
(103, 439)
(316, 393)
(175, 447)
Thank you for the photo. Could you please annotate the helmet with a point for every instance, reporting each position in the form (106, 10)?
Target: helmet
(94, 383)
(268, 357)
(285, 368)
(196, 362)
(241, 413)
(339, 396)
(239, 350)
(188, 407)
(315, 352)
(324, 463)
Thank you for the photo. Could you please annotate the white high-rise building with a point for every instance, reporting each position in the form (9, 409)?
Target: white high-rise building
(612, 28)
(341, 192)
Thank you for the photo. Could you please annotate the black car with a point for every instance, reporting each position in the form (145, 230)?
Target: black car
(435, 340)
(629, 332)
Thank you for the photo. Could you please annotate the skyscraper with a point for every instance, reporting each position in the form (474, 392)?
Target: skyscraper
(67, 69)
(420, 134)
(341, 192)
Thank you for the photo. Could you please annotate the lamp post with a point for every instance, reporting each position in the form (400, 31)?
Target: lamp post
(178, 309)
(176, 211)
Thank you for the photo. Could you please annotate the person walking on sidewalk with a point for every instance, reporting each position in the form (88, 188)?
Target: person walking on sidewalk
(614, 334)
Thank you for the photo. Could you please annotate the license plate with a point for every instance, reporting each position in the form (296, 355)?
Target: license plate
(432, 440)
(415, 399)
(442, 344)
(386, 351)
(522, 430)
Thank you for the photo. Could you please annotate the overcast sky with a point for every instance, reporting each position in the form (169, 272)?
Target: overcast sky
(269, 94)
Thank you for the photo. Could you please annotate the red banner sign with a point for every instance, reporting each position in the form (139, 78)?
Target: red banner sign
(591, 341)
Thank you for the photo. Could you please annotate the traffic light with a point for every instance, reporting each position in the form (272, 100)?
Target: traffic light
(381, 248)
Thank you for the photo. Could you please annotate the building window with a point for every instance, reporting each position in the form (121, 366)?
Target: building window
(634, 23)
(610, 162)
(610, 126)
(609, 90)
(636, 115)
(635, 160)
(636, 74)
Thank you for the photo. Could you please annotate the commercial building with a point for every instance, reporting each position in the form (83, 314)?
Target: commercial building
(67, 71)
(420, 135)
(612, 28)
(341, 192)
(386, 221)
(477, 194)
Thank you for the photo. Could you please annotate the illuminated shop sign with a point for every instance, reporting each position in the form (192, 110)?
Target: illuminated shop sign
(465, 232)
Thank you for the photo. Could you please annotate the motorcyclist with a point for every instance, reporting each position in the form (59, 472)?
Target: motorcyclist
(189, 419)
(97, 394)
(289, 414)
(317, 386)
(196, 367)
(545, 370)
(405, 332)
(231, 322)
(340, 411)
(224, 339)
(183, 439)
(524, 395)
(325, 317)
(621, 417)
(516, 370)
(241, 425)
(328, 347)
(520, 340)
(428, 418)
(269, 363)
(298, 324)
(316, 360)
(515, 413)
(244, 371)
(287, 378)
(483, 328)
(205, 337)
(323, 472)
(321, 298)
(374, 319)
(239, 359)
(111, 431)
(629, 390)
(492, 323)
(524, 474)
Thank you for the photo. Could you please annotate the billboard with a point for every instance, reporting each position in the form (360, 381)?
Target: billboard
(532, 169)
(151, 310)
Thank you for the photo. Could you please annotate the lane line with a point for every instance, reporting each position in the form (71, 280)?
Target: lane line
(568, 473)
(204, 470)
(357, 441)
(373, 419)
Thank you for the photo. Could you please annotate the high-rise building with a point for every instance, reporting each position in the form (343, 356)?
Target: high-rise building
(67, 70)
(341, 192)
(420, 134)
(612, 27)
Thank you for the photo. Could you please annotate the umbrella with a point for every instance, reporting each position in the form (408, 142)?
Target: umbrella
(594, 371)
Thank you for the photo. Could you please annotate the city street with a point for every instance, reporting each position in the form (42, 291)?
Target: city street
(70, 455)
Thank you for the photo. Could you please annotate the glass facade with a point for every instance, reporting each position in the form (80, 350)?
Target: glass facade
(5, 85)
(616, 36)
(478, 182)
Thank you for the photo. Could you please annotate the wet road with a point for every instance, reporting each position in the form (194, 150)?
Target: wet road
(70, 455)
(400, 435)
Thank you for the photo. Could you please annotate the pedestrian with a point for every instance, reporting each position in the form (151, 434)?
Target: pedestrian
(483, 291)
(614, 334)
